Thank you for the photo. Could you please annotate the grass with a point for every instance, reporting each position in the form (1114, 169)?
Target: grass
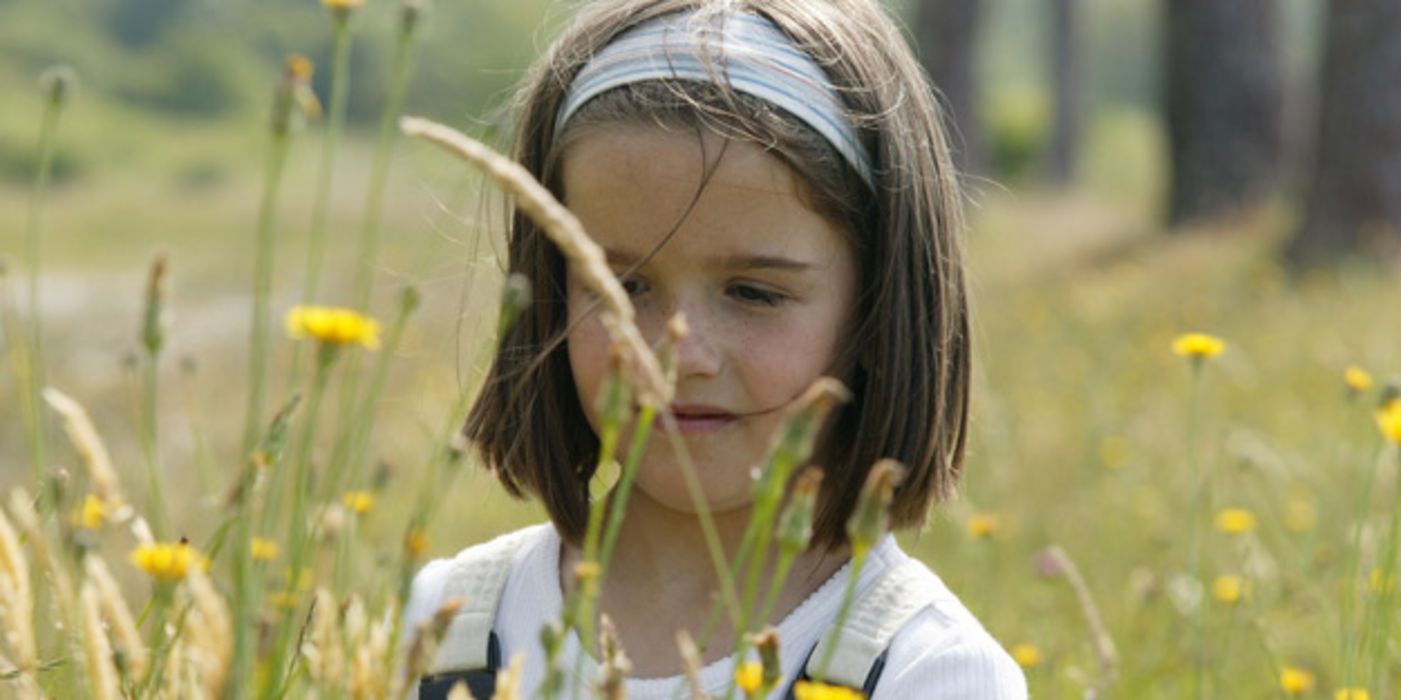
(1081, 418)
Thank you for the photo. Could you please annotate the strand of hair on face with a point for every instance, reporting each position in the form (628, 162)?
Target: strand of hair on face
(564, 229)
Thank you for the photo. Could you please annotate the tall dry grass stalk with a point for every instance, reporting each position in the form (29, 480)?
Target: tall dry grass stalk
(17, 611)
(131, 649)
(60, 589)
(565, 231)
(424, 646)
(102, 673)
(89, 446)
(208, 633)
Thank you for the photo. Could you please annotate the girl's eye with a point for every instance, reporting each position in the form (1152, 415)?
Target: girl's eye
(633, 286)
(757, 296)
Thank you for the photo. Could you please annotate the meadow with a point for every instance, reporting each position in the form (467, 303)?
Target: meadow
(1133, 523)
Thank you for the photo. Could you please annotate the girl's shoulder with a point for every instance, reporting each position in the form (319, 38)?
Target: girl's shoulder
(943, 651)
(484, 562)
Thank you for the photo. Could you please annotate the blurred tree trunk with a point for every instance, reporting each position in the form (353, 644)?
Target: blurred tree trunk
(1354, 199)
(947, 32)
(1068, 78)
(1224, 102)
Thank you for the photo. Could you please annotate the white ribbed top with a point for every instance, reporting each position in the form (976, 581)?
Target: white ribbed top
(943, 652)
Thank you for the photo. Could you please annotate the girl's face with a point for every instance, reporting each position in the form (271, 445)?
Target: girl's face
(767, 286)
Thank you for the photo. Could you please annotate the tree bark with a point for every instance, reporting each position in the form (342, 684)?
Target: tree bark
(1354, 198)
(946, 33)
(1068, 78)
(1224, 104)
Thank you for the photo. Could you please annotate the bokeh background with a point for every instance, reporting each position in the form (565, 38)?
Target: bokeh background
(1135, 170)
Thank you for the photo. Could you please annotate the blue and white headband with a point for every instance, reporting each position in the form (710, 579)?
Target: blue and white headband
(743, 48)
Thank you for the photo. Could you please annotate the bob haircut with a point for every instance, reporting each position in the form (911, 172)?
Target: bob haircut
(906, 358)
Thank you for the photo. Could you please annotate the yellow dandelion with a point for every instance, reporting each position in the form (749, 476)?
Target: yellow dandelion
(416, 542)
(284, 600)
(1300, 513)
(1379, 585)
(1389, 421)
(1026, 655)
(263, 550)
(343, 4)
(359, 502)
(300, 68)
(1351, 694)
(331, 325)
(816, 690)
(1357, 379)
(1235, 521)
(982, 526)
(168, 561)
(92, 513)
(1115, 451)
(749, 676)
(1229, 589)
(1295, 681)
(1198, 345)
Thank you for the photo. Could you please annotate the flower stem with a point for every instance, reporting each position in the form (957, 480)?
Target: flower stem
(858, 560)
(316, 244)
(299, 535)
(1199, 495)
(379, 170)
(1385, 592)
(1352, 573)
(262, 290)
(34, 374)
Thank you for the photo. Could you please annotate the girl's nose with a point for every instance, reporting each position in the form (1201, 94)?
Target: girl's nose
(696, 354)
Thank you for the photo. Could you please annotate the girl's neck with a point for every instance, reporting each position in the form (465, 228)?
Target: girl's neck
(662, 578)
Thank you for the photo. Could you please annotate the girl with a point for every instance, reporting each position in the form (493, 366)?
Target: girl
(776, 171)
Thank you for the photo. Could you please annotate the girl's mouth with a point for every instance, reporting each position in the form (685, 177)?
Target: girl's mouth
(698, 419)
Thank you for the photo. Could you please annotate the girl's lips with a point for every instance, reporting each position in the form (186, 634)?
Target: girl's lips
(694, 419)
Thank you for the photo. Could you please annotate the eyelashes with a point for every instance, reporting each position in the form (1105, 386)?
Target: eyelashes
(746, 293)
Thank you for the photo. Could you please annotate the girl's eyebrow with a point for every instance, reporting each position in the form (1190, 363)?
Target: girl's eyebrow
(764, 262)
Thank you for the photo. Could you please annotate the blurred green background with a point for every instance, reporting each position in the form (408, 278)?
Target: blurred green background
(1081, 417)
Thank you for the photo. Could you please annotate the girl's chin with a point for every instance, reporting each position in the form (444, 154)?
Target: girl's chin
(675, 498)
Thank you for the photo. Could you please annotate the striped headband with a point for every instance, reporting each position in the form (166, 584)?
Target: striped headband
(748, 50)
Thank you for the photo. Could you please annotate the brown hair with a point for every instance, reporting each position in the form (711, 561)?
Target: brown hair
(908, 348)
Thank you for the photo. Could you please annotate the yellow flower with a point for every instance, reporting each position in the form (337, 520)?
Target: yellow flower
(1198, 345)
(93, 512)
(343, 4)
(749, 676)
(1300, 513)
(1229, 589)
(982, 526)
(816, 690)
(1389, 420)
(167, 561)
(299, 67)
(263, 550)
(1375, 584)
(1295, 681)
(285, 600)
(1351, 694)
(1357, 379)
(331, 325)
(1115, 451)
(1235, 521)
(416, 542)
(359, 502)
(1026, 655)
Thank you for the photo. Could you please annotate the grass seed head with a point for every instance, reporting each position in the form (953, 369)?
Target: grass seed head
(97, 651)
(133, 658)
